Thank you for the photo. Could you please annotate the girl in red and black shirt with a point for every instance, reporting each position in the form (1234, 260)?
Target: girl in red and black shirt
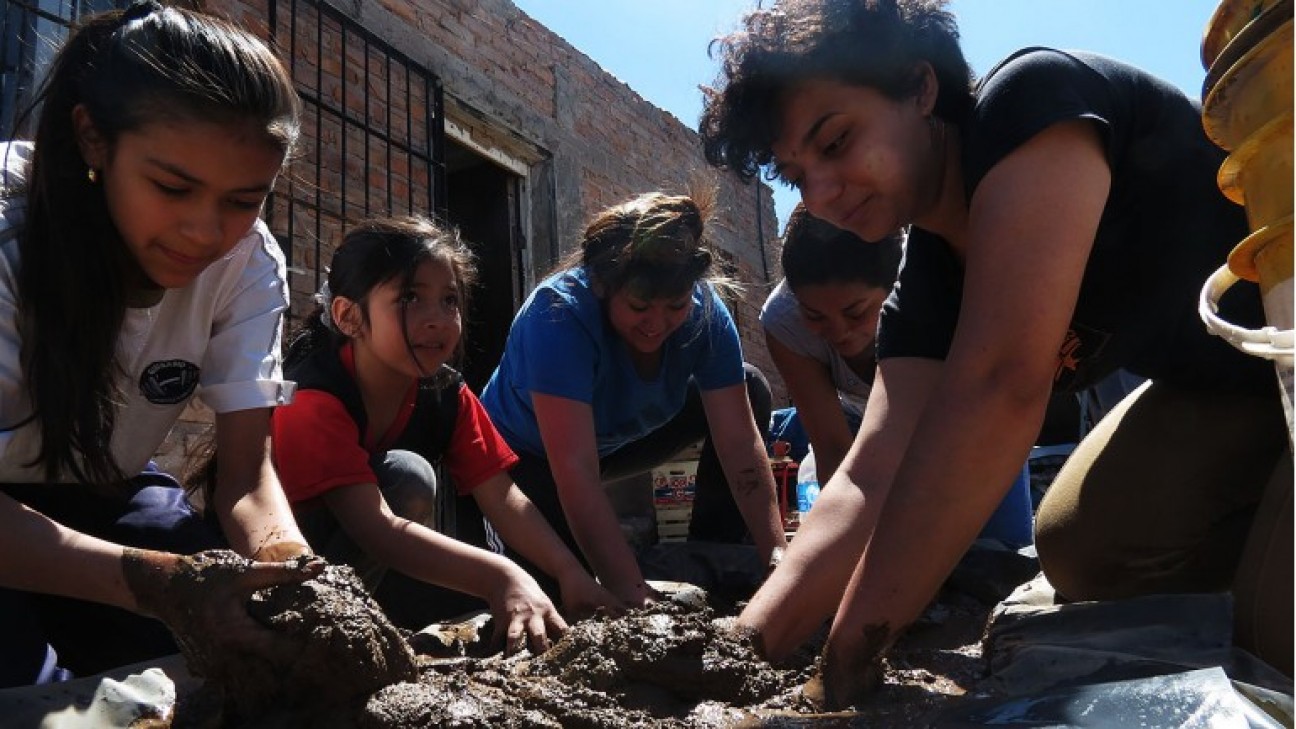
(377, 408)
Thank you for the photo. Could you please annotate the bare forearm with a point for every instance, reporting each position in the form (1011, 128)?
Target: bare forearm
(255, 515)
(427, 555)
(525, 529)
(254, 512)
(752, 483)
(807, 587)
(596, 529)
(942, 501)
(39, 555)
(829, 453)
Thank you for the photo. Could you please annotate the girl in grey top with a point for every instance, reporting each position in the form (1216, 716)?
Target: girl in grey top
(820, 323)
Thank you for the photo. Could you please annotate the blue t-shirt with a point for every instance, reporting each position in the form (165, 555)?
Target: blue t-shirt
(561, 344)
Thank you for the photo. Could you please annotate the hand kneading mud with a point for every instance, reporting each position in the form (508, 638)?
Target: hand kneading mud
(328, 647)
(675, 663)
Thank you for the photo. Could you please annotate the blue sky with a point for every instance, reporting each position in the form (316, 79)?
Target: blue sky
(659, 47)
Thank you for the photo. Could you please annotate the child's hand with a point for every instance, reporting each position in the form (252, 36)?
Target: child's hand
(582, 596)
(524, 615)
(207, 593)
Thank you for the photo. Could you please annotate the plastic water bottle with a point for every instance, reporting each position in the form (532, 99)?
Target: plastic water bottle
(807, 488)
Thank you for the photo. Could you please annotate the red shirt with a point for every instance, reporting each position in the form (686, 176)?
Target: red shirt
(317, 446)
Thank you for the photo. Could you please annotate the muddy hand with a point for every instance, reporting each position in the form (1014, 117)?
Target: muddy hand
(582, 596)
(281, 552)
(845, 677)
(524, 616)
(208, 591)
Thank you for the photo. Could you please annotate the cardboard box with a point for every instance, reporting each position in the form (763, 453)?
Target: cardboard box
(674, 483)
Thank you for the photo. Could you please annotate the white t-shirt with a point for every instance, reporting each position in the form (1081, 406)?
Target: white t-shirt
(781, 317)
(218, 337)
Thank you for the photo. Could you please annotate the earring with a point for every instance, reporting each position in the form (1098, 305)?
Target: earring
(92, 175)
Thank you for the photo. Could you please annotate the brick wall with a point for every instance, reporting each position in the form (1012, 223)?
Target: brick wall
(588, 139)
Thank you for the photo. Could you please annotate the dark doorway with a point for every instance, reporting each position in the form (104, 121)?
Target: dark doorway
(483, 201)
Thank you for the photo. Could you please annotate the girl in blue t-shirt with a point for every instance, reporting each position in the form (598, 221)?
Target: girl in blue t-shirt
(617, 362)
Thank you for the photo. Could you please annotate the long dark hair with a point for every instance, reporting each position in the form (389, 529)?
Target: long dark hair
(874, 43)
(372, 253)
(127, 70)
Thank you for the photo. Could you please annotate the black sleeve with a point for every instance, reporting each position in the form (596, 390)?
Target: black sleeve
(919, 316)
(1030, 91)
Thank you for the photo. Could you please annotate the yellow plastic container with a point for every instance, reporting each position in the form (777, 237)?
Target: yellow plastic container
(1258, 174)
(1253, 91)
(1230, 20)
(1259, 257)
(1247, 110)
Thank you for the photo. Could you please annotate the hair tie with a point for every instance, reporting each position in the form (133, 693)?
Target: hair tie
(324, 297)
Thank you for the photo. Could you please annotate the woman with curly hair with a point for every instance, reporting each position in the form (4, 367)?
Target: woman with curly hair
(1064, 214)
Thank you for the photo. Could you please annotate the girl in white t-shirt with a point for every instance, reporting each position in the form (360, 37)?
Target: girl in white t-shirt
(134, 272)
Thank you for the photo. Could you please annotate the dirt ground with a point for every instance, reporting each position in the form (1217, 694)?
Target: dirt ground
(674, 664)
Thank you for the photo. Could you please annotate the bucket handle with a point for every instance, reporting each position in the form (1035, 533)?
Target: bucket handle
(1266, 342)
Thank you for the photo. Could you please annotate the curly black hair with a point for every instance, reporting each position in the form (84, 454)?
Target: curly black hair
(875, 43)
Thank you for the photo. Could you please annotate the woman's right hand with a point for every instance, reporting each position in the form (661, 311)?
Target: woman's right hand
(524, 615)
(207, 593)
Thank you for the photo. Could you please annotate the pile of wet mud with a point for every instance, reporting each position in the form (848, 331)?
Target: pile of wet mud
(676, 663)
(332, 646)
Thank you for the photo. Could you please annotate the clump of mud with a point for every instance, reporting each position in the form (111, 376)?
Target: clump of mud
(676, 663)
(334, 648)
(672, 664)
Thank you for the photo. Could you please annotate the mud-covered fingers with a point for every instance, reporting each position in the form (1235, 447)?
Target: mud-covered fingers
(846, 677)
(282, 552)
(813, 691)
(258, 575)
(583, 596)
(252, 638)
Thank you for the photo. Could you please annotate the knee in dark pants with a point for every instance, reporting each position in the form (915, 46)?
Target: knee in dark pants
(1263, 604)
(408, 483)
(1071, 578)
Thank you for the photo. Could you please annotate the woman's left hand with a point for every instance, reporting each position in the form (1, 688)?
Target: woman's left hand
(206, 594)
(582, 596)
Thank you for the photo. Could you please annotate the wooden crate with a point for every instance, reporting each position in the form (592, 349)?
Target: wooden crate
(673, 522)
